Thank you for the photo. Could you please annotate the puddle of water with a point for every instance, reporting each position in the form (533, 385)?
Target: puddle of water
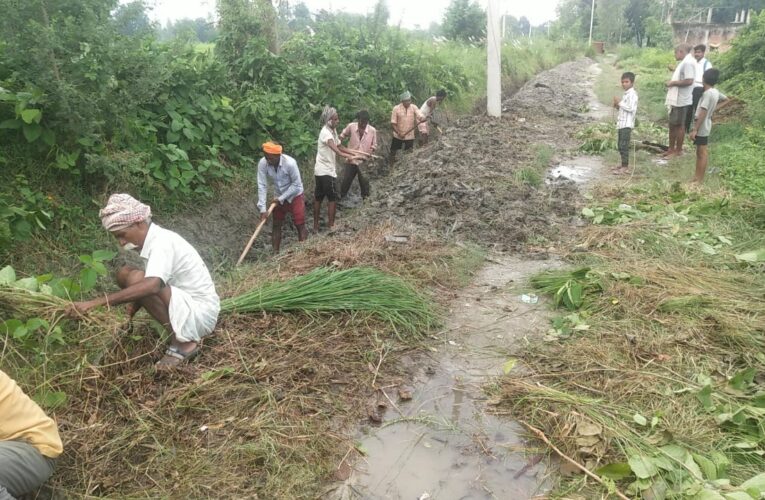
(443, 442)
(580, 170)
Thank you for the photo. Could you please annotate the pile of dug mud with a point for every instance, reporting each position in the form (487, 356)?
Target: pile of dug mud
(465, 186)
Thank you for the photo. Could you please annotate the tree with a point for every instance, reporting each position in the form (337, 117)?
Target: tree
(524, 26)
(464, 20)
(130, 19)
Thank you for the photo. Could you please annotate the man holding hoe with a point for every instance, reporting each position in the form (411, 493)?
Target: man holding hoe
(362, 140)
(288, 191)
(175, 288)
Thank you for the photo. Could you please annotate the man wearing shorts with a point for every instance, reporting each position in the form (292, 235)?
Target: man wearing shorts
(403, 120)
(325, 168)
(176, 288)
(680, 97)
(288, 191)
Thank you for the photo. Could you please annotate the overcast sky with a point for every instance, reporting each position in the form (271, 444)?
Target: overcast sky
(410, 13)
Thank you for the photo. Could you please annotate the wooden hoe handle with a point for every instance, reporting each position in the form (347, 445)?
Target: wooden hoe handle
(255, 234)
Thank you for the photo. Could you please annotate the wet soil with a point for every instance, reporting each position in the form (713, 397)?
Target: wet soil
(444, 442)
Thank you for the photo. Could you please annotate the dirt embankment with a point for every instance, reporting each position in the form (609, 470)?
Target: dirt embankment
(467, 184)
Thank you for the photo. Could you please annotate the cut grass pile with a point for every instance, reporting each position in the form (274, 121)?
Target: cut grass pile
(358, 289)
(656, 382)
(269, 408)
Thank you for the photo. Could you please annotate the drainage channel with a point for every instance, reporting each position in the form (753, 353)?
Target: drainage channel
(443, 443)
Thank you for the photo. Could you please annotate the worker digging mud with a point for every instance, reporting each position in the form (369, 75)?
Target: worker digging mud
(288, 197)
(362, 138)
(175, 288)
(403, 120)
(427, 109)
(325, 169)
(29, 442)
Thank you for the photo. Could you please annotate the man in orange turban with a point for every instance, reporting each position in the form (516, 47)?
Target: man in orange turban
(283, 170)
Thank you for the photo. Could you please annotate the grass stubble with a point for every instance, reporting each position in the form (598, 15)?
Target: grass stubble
(268, 409)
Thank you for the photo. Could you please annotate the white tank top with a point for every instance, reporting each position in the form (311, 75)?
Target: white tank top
(425, 109)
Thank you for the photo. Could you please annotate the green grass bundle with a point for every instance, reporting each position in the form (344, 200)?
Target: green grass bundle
(358, 289)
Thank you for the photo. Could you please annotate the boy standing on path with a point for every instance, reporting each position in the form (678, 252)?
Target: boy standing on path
(703, 125)
(625, 120)
(680, 97)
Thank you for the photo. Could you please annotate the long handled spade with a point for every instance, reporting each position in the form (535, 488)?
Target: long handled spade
(255, 234)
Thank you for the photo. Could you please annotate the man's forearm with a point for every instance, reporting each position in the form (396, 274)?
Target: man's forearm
(145, 288)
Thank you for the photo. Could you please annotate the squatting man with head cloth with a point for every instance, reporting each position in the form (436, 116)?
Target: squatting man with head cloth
(29, 442)
(283, 170)
(175, 288)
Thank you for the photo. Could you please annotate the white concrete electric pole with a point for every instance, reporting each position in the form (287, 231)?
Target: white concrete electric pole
(493, 61)
(592, 18)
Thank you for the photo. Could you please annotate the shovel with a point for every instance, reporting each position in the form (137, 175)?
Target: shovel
(255, 234)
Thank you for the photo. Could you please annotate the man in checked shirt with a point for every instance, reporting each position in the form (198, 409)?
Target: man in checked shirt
(361, 137)
(625, 120)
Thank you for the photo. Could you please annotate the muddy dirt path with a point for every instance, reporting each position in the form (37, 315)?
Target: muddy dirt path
(444, 443)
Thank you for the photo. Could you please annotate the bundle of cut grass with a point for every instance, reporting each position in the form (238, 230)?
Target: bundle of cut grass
(358, 289)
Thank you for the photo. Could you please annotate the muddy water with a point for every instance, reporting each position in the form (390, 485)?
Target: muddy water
(442, 444)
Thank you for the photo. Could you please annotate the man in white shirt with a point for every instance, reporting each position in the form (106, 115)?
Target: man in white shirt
(698, 83)
(325, 168)
(680, 97)
(175, 289)
(288, 191)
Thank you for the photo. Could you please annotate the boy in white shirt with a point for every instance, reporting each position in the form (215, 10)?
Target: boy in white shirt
(625, 120)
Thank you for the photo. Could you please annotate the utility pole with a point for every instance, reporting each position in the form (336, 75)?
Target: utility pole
(592, 19)
(493, 61)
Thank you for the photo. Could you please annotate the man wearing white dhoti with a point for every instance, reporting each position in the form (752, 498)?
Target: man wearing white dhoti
(175, 288)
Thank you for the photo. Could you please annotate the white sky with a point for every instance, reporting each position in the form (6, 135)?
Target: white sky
(410, 12)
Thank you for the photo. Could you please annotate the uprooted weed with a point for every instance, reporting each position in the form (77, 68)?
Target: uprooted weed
(265, 409)
(656, 380)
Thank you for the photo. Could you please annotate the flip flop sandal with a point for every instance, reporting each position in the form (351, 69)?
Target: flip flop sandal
(174, 358)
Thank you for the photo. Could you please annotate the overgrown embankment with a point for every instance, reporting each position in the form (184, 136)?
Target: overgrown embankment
(652, 375)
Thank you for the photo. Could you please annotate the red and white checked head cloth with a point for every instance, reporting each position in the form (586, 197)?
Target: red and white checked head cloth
(121, 211)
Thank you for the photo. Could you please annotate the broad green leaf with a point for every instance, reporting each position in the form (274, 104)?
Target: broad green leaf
(676, 452)
(7, 275)
(9, 326)
(742, 379)
(27, 284)
(86, 259)
(707, 248)
(35, 323)
(88, 279)
(587, 212)
(705, 396)
(617, 471)
(642, 466)
(10, 123)
(725, 240)
(738, 495)
(103, 255)
(509, 365)
(707, 494)
(640, 419)
(100, 268)
(20, 333)
(753, 256)
(32, 132)
(707, 466)
(31, 115)
(755, 484)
